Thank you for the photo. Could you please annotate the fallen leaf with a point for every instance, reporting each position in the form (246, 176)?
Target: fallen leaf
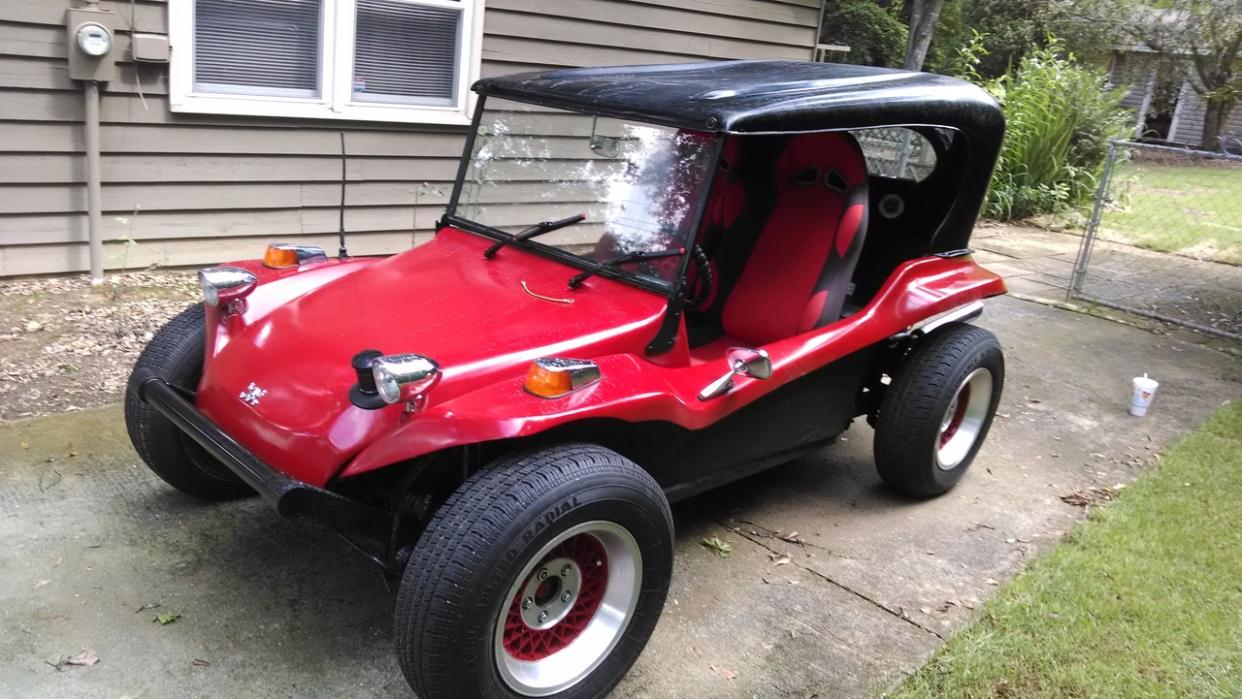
(716, 546)
(49, 479)
(1090, 496)
(992, 581)
(25, 445)
(791, 537)
(727, 674)
(199, 662)
(783, 560)
(145, 607)
(86, 658)
(41, 583)
(165, 619)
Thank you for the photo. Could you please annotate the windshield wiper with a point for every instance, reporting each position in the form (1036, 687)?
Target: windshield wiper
(635, 256)
(537, 229)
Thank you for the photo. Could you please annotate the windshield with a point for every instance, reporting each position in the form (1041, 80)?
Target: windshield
(637, 184)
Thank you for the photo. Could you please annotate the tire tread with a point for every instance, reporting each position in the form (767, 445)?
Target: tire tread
(466, 527)
(915, 400)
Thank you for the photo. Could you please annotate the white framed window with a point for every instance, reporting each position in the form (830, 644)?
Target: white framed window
(374, 60)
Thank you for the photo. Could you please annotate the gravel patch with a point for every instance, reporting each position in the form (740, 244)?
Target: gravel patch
(65, 345)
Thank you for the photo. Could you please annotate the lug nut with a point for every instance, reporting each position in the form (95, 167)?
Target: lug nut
(567, 596)
(543, 573)
(566, 570)
(543, 616)
(527, 602)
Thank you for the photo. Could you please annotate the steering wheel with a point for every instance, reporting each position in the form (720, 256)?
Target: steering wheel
(700, 290)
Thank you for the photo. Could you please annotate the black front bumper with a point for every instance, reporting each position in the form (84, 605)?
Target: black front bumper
(365, 526)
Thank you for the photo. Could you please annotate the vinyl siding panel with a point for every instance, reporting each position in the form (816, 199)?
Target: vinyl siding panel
(1190, 121)
(186, 189)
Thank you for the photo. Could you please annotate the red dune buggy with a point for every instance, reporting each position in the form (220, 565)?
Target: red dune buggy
(733, 261)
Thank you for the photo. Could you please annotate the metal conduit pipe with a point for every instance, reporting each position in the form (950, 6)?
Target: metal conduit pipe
(94, 194)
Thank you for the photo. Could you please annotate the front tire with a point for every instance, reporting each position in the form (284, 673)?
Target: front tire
(938, 409)
(175, 354)
(542, 575)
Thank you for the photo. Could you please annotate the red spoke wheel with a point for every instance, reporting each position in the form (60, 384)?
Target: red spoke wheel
(570, 606)
(963, 419)
(936, 412)
(542, 575)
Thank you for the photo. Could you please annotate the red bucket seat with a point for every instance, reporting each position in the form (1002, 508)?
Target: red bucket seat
(798, 272)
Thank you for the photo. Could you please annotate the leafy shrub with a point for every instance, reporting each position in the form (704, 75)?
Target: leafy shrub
(1060, 117)
(875, 35)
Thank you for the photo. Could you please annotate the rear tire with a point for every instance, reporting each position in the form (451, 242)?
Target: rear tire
(473, 618)
(175, 354)
(937, 411)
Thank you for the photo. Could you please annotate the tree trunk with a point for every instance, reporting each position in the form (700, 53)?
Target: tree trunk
(1214, 115)
(924, 14)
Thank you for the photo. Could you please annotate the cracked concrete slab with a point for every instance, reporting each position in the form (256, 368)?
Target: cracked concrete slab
(273, 608)
(1040, 263)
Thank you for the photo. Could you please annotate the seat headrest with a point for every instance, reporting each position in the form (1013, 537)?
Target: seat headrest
(831, 159)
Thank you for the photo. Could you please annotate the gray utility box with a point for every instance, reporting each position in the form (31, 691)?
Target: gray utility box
(91, 44)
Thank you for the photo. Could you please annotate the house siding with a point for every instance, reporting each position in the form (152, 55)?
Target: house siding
(1131, 71)
(1190, 120)
(186, 189)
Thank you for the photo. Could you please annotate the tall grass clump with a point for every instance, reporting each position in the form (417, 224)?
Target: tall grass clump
(1060, 117)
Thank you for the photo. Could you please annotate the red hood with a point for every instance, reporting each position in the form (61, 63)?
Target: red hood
(442, 300)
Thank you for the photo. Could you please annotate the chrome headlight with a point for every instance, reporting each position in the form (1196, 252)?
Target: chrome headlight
(403, 376)
(225, 284)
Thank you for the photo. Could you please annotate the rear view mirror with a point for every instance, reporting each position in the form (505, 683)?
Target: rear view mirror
(605, 146)
(750, 362)
(743, 361)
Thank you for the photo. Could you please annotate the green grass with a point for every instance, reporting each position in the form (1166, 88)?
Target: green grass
(1173, 208)
(1145, 599)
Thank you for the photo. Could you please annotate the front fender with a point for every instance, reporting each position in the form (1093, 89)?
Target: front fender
(635, 390)
(275, 288)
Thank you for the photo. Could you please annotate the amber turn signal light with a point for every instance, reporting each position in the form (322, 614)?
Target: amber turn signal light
(284, 255)
(552, 377)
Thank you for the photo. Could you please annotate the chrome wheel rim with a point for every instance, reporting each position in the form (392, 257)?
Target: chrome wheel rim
(962, 422)
(568, 608)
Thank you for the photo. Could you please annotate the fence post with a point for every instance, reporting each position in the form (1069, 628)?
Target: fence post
(903, 152)
(1093, 224)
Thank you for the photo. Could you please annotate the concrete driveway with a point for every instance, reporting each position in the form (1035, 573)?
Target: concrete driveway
(90, 541)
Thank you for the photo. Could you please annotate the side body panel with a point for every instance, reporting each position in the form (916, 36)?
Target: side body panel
(635, 390)
(805, 414)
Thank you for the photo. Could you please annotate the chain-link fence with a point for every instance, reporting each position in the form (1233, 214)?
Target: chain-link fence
(1165, 238)
(896, 152)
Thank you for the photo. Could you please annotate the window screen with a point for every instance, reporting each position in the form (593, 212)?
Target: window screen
(896, 152)
(264, 47)
(405, 52)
